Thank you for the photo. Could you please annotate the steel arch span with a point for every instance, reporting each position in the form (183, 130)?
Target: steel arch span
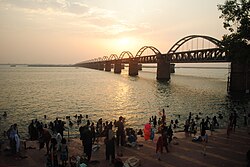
(124, 53)
(105, 58)
(95, 60)
(179, 43)
(99, 59)
(113, 57)
(155, 50)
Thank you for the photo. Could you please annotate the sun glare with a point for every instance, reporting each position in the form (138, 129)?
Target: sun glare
(124, 42)
(121, 44)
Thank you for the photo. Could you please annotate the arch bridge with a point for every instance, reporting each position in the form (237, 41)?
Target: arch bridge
(193, 54)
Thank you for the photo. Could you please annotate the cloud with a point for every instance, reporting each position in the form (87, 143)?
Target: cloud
(73, 15)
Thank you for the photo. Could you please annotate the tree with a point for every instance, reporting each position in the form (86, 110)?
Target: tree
(236, 15)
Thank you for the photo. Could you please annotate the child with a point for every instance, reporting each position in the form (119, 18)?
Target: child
(63, 152)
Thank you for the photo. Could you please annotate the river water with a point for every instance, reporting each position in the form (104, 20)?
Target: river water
(28, 93)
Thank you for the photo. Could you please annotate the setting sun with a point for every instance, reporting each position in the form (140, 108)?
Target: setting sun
(123, 42)
(127, 44)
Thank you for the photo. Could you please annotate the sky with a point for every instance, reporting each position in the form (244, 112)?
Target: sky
(71, 31)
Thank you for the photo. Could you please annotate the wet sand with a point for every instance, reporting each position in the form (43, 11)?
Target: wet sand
(221, 151)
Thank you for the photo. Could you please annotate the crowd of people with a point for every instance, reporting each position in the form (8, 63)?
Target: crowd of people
(115, 135)
(89, 134)
(50, 135)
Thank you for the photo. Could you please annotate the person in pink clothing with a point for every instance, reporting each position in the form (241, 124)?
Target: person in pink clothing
(147, 129)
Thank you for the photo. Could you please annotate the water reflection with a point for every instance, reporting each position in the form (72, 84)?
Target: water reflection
(29, 93)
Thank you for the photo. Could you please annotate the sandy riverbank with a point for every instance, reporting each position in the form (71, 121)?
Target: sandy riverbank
(221, 151)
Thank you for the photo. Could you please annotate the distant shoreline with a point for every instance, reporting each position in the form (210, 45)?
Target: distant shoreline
(39, 65)
(50, 65)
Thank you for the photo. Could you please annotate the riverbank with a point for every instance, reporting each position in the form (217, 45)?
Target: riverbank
(221, 151)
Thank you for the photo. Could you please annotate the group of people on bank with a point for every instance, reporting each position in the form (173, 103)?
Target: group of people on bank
(89, 134)
(51, 136)
(46, 135)
(114, 133)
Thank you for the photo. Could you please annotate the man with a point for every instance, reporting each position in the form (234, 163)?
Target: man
(120, 133)
(44, 137)
(87, 140)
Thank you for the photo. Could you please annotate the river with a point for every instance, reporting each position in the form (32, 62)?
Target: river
(28, 93)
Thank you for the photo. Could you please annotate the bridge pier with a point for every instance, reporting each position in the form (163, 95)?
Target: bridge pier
(117, 68)
(96, 66)
(108, 66)
(101, 66)
(140, 66)
(239, 81)
(172, 68)
(92, 65)
(133, 67)
(163, 68)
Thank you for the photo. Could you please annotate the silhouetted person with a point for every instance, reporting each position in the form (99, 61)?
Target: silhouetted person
(33, 132)
(220, 116)
(230, 124)
(235, 117)
(159, 147)
(163, 119)
(186, 128)
(154, 121)
(189, 117)
(87, 140)
(44, 138)
(203, 127)
(63, 149)
(215, 122)
(165, 138)
(92, 128)
(140, 133)
(203, 135)
(120, 133)
(197, 117)
(110, 144)
(5, 114)
(53, 152)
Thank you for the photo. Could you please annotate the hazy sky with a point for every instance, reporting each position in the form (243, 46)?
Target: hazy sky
(70, 31)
